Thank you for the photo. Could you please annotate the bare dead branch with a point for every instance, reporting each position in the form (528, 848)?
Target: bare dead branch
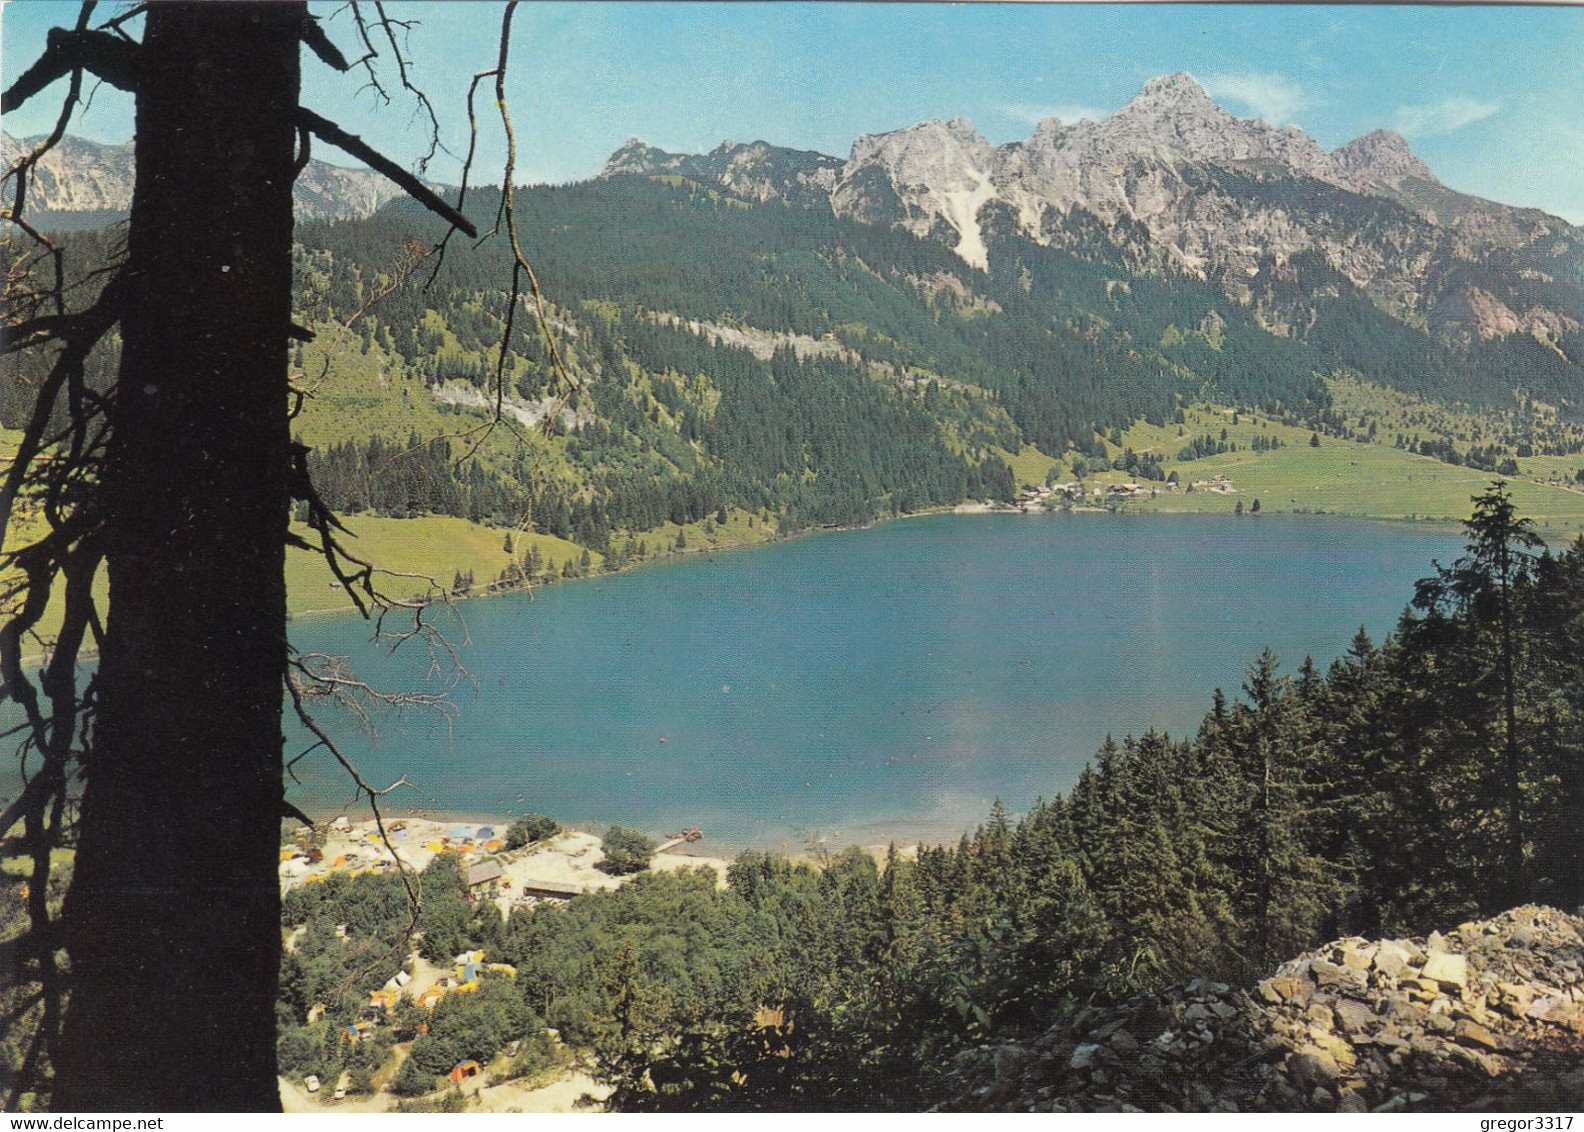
(467, 169)
(80, 337)
(113, 60)
(327, 131)
(521, 268)
(403, 870)
(315, 40)
(389, 25)
(115, 24)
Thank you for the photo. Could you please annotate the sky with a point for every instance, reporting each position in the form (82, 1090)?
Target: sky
(1489, 97)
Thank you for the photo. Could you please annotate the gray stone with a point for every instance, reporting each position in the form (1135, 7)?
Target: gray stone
(1391, 959)
(1352, 1016)
(1084, 1056)
(1313, 1067)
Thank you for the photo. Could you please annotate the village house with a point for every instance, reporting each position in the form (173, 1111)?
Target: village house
(483, 876)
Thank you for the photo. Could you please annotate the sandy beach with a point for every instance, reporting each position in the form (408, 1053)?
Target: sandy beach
(566, 863)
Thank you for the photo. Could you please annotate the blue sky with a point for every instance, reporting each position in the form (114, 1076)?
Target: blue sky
(1488, 96)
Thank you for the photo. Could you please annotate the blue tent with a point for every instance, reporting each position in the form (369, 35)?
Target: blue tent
(461, 832)
(486, 832)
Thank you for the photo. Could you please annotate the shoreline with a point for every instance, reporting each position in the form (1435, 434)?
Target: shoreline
(875, 839)
(492, 589)
(495, 590)
(561, 865)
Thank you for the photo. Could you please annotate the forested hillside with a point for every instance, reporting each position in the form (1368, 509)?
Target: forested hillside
(727, 355)
(743, 362)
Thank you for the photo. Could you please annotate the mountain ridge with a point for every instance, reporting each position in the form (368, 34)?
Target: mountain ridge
(1171, 182)
(82, 176)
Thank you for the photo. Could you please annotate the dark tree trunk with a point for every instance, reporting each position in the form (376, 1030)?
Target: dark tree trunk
(174, 912)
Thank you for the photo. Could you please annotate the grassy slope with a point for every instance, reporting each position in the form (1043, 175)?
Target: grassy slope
(1341, 477)
(434, 546)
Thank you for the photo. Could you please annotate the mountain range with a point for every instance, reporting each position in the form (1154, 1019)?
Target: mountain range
(1170, 183)
(80, 179)
(1174, 183)
(761, 330)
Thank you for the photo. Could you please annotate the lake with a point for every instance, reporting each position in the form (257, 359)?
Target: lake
(865, 685)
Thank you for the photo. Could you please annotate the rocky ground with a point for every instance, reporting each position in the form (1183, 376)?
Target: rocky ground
(1487, 1017)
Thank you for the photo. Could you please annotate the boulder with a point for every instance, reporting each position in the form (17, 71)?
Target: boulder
(1084, 1056)
(1352, 1016)
(1472, 1033)
(1446, 969)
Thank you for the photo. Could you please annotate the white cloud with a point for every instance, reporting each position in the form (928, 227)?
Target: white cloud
(1068, 112)
(1451, 113)
(1272, 96)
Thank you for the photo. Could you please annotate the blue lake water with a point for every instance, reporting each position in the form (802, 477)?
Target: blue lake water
(865, 685)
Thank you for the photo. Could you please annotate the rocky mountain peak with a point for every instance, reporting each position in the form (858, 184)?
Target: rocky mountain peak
(634, 156)
(1382, 157)
(1177, 90)
(921, 154)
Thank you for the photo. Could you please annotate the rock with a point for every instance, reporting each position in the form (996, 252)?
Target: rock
(1473, 1011)
(1390, 959)
(1494, 1027)
(1358, 958)
(1328, 974)
(1340, 1053)
(1123, 1042)
(1280, 988)
(1352, 1016)
(1472, 1033)
(1446, 969)
(1313, 1067)
(1476, 1061)
(1512, 999)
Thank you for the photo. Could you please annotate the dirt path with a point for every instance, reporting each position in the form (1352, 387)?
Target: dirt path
(560, 1095)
